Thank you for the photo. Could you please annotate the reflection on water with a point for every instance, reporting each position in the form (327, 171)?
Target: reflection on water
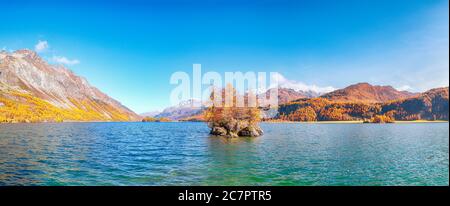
(184, 154)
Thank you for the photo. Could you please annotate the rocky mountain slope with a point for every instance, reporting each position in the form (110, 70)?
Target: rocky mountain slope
(150, 114)
(31, 90)
(430, 105)
(286, 95)
(364, 92)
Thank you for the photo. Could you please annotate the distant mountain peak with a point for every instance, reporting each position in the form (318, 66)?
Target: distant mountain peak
(26, 52)
(150, 114)
(183, 109)
(286, 95)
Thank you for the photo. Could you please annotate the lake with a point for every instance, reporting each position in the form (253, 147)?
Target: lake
(184, 154)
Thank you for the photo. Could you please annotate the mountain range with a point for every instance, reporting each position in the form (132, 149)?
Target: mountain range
(364, 101)
(356, 102)
(184, 111)
(32, 90)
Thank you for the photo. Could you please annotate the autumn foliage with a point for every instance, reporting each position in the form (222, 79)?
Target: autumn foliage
(228, 118)
(431, 105)
(305, 114)
(321, 109)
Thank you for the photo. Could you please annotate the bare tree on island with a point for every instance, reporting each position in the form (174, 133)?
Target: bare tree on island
(233, 115)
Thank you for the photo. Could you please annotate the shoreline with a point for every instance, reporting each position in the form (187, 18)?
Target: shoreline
(270, 122)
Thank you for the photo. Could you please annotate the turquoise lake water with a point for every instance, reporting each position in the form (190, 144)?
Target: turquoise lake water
(184, 154)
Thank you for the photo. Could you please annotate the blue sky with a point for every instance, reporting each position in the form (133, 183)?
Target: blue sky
(130, 49)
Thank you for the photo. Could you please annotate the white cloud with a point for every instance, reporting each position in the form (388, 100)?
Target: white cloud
(65, 60)
(41, 46)
(286, 83)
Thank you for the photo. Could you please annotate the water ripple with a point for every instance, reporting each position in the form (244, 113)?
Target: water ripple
(184, 154)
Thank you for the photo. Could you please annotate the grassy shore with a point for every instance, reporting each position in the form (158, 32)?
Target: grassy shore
(423, 121)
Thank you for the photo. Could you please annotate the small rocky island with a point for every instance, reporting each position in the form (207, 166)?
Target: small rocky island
(233, 121)
(235, 128)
